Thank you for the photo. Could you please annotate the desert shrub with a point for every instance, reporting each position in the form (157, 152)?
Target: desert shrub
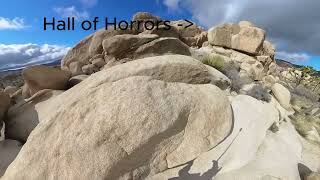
(307, 93)
(259, 92)
(230, 66)
(236, 80)
(303, 124)
(215, 61)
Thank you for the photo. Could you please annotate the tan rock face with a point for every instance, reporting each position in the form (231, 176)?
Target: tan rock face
(75, 68)
(98, 37)
(282, 94)
(89, 69)
(120, 45)
(8, 152)
(242, 37)
(169, 68)
(162, 31)
(144, 17)
(89, 47)
(162, 46)
(24, 116)
(134, 127)
(255, 69)
(249, 39)
(192, 36)
(78, 53)
(220, 36)
(224, 158)
(42, 77)
(268, 49)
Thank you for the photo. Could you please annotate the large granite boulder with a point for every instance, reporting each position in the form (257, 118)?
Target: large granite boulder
(282, 94)
(43, 77)
(169, 68)
(242, 37)
(127, 129)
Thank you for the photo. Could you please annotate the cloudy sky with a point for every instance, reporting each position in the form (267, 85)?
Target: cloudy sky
(292, 25)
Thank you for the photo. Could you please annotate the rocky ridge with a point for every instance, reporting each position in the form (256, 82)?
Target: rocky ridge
(162, 104)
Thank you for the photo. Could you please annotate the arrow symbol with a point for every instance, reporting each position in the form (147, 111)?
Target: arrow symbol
(190, 23)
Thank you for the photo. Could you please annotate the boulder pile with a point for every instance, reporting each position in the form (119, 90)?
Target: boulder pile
(159, 104)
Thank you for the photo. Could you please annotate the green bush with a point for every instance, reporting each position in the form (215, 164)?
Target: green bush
(215, 61)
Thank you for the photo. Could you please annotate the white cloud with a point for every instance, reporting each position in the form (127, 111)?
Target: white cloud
(292, 57)
(71, 11)
(16, 23)
(89, 3)
(172, 4)
(14, 56)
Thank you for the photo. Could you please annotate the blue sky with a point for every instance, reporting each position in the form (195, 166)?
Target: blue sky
(22, 39)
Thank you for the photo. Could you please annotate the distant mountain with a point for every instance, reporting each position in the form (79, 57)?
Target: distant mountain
(17, 70)
(287, 64)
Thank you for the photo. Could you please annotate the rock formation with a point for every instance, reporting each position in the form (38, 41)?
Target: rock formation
(175, 104)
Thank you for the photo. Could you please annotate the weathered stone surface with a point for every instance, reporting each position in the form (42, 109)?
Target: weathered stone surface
(11, 90)
(76, 80)
(98, 37)
(249, 40)
(163, 31)
(245, 24)
(218, 78)
(269, 80)
(89, 47)
(196, 41)
(78, 53)
(272, 68)
(268, 49)
(282, 94)
(42, 77)
(254, 70)
(8, 152)
(24, 116)
(75, 68)
(98, 62)
(120, 45)
(220, 36)
(191, 31)
(242, 37)
(89, 69)
(231, 153)
(170, 68)
(145, 18)
(138, 128)
(162, 46)
(277, 157)
(265, 60)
